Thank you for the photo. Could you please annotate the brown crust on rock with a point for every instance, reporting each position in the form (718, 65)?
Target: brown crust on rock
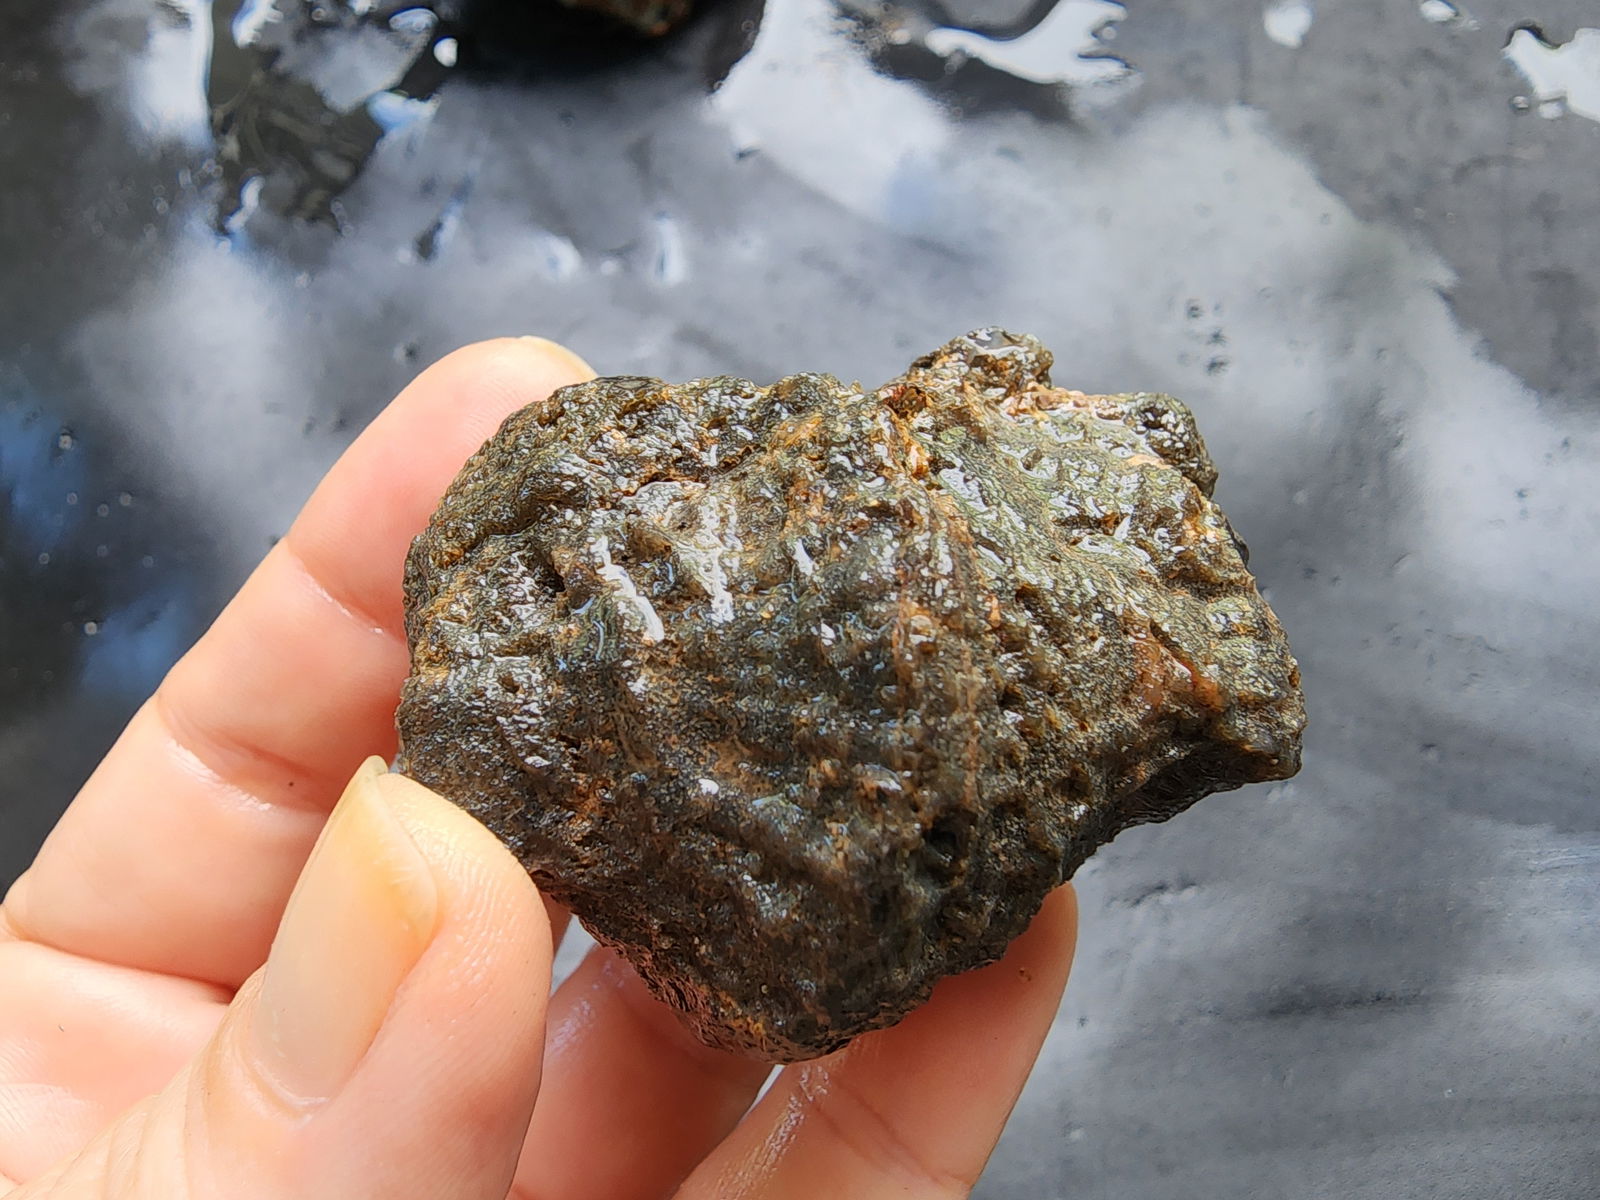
(805, 696)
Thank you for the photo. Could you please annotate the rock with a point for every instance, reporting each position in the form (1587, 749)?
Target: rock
(803, 697)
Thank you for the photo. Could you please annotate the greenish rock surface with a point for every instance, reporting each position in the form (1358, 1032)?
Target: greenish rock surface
(805, 696)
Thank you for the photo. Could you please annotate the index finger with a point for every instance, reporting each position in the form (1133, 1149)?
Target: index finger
(180, 851)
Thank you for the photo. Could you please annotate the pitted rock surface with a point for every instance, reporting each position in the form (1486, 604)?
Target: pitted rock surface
(804, 696)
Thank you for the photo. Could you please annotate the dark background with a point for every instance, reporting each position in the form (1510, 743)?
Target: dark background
(1370, 263)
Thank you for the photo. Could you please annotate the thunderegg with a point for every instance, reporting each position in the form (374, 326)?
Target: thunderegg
(804, 696)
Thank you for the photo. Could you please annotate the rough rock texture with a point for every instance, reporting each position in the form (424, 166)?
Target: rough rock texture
(805, 696)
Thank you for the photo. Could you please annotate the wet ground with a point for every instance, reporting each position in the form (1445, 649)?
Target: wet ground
(1361, 239)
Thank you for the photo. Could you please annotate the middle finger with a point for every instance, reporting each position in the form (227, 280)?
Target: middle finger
(631, 1100)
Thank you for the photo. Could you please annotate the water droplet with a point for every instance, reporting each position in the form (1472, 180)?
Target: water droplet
(1438, 12)
(247, 201)
(445, 51)
(90, 628)
(249, 20)
(125, 499)
(671, 265)
(434, 238)
(102, 550)
(561, 257)
(72, 497)
(102, 510)
(147, 561)
(393, 110)
(65, 440)
(417, 21)
(44, 559)
(1287, 22)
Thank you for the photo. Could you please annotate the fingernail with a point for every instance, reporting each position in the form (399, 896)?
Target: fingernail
(558, 351)
(357, 921)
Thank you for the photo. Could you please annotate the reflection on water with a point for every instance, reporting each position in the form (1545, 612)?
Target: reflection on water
(1051, 59)
(437, 235)
(1287, 22)
(1064, 47)
(301, 95)
(671, 265)
(1442, 12)
(83, 603)
(1564, 78)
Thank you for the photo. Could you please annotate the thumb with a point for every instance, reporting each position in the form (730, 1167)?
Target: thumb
(390, 1047)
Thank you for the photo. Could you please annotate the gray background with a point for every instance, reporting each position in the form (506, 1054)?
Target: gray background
(1370, 263)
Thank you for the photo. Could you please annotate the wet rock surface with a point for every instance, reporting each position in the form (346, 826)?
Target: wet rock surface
(805, 696)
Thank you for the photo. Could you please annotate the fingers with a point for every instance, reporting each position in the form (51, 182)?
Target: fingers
(81, 1041)
(390, 1048)
(180, 851)
(914, 1110)
(631, 1100)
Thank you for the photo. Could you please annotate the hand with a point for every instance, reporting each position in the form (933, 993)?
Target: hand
(401, 1039)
